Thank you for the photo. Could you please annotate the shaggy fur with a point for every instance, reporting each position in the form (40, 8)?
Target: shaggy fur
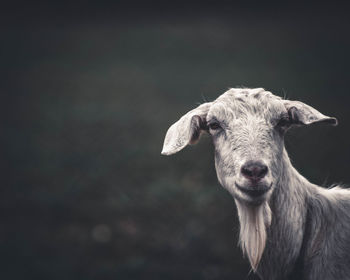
(254, 222)
(289, 227)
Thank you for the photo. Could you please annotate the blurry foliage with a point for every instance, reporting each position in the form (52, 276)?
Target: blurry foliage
(90, 196)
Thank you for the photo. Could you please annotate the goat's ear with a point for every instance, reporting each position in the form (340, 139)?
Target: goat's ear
(186, 130)
(302, 114)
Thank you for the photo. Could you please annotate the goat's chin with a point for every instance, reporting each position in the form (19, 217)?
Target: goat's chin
(254, 220)
(252, 195)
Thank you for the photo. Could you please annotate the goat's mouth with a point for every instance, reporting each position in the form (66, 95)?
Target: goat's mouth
(254, 191)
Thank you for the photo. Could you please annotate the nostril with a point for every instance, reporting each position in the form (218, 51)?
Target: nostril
(247, 171)
(262, 172)
(254, 170)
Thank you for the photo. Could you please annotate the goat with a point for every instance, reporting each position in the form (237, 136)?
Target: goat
(289, 227)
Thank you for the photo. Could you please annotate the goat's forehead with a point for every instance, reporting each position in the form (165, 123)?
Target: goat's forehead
(236, 103)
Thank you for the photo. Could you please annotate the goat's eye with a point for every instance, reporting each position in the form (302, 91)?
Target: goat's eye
(214, 125)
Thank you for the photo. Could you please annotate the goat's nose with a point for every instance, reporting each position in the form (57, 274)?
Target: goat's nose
(254, 170)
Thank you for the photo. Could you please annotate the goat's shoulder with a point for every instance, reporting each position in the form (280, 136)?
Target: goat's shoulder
(336, 197)
(328, 233)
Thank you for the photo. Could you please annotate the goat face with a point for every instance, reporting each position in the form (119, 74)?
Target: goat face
(247, 127)
(248, 140)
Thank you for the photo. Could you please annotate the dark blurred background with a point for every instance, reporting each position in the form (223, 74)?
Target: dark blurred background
(88, 93)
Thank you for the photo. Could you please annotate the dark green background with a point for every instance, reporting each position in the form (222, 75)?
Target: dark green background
(88, 92)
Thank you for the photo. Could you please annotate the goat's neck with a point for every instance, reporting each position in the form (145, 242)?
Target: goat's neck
(285, 234)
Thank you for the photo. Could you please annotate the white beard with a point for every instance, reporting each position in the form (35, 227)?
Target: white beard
(254, 221)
